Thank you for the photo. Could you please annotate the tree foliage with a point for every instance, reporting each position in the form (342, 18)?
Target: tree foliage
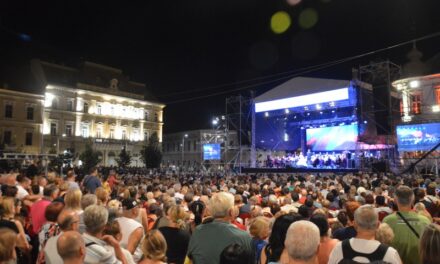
(151, 152)
(124, 159)
(90, 158)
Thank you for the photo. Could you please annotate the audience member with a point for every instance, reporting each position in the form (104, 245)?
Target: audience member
(71, 248)
(302, 242)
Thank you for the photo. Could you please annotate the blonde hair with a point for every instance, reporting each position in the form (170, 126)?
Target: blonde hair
(177, 215)
(7, 206)
(102, 196)
(429, 246)
(384, 234)
(72, 200)
(154, 246)
(259, 227)
(8, 239)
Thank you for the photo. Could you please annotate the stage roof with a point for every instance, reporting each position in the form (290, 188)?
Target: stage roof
(301, 86)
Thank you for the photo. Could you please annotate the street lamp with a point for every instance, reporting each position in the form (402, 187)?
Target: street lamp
(183, 146)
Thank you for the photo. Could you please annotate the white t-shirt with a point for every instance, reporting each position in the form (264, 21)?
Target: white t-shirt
(21, 192)
(51, 252)
(128, 226)
(366, 247)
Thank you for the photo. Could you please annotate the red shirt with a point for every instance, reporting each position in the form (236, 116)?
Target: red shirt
(38, 218)
(111, 181)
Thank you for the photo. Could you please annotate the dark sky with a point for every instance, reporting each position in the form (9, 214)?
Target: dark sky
(182, 46)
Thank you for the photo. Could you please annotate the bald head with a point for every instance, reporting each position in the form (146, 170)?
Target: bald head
(70, 246)
(68, 220)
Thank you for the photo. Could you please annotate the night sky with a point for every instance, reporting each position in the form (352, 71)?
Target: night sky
(195, 48)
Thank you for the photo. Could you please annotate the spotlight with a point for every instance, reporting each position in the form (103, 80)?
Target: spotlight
(294, 117)
(286, 111)
(365, 122)
(320, 112)
(308, 114)
(318, 106)
(302, 127)
(332, 104)
(333, 111)
(266, 114)
(215, 122)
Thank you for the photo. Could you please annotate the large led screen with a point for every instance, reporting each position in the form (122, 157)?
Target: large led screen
(418, 137)
(211, 152)
(336, 138)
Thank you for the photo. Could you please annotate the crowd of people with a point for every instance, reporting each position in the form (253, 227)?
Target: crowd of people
(139, 216)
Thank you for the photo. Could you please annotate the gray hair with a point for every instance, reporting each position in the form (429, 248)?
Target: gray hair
(95, 218)
(404, 195)
(87, 200)
(220, 204)
(299, 248)
(366, 217)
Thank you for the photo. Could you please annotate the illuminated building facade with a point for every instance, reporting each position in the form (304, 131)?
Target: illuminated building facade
(420, 98)
(21, 121)
(98, 105)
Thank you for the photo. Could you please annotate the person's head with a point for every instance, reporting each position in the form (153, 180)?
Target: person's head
(112, 228)
(8, 240)
(380, 200)
(154, 246)
(221, 204)
(320, 220)
(177, 215)
(404, 197)
(95, 219)
(68, 220)
(366, 219)
(71, 247)
(278, 234)
(259, 227)
(93, 171)
(429, 247)
(385, 234)
(198, 209)
(72, 199)
(70, 175)
(53, 210)
(102, 196)
(51, 191)
(350, 208)
(419, 207)
(7, 206)
(130, 207)
(302, 241)
(235, 254)
(23, 181)
(87, 200)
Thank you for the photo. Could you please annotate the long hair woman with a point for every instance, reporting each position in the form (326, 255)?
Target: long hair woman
(154, 248)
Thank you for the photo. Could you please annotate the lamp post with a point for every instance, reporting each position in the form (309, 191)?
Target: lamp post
(183, 146)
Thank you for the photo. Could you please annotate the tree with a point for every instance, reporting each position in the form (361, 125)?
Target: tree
(90, 158)
(151, 153)
(124, 159)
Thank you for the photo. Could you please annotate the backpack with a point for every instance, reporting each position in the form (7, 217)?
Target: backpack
(349, 254)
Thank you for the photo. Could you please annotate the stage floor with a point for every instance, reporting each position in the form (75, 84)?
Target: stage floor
(296, 170)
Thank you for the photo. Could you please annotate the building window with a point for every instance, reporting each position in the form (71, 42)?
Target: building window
(194, 145)
(30, 113)
(124, 135)
(85, 131)
(146, 115)
(146, 136)
(69, 105)
(8, 111)
(99, 109)
(86, 108)
(7, 135)
(416, 100)
(112, 110)
(112, 133)
(99, 132)
(68, 130)
(28, 138)
(53, 129)
(156, 117)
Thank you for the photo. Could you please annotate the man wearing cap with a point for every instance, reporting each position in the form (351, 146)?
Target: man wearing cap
(132, 231)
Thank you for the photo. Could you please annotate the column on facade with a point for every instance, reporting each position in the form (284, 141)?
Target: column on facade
(78, 125)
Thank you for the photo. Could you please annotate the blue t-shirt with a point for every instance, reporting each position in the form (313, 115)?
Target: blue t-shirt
(91, 183)
(258, 244)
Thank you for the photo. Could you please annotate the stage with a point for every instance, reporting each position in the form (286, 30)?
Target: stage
(296, 170)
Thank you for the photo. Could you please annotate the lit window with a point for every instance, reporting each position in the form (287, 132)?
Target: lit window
(416, 100)
(99, 132)
(99, 110)
(437, 93)
(85, 131)
(86, 107)
(7, 136)
(69, 105)
(112, 133)
(124, 134)
(68, 130)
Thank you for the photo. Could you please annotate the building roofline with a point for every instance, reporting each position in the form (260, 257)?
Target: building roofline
(15, 92)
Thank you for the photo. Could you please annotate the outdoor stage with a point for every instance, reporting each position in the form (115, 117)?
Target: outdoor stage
(296, 170)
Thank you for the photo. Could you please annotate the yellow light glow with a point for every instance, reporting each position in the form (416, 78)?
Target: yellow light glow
(280, 22)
